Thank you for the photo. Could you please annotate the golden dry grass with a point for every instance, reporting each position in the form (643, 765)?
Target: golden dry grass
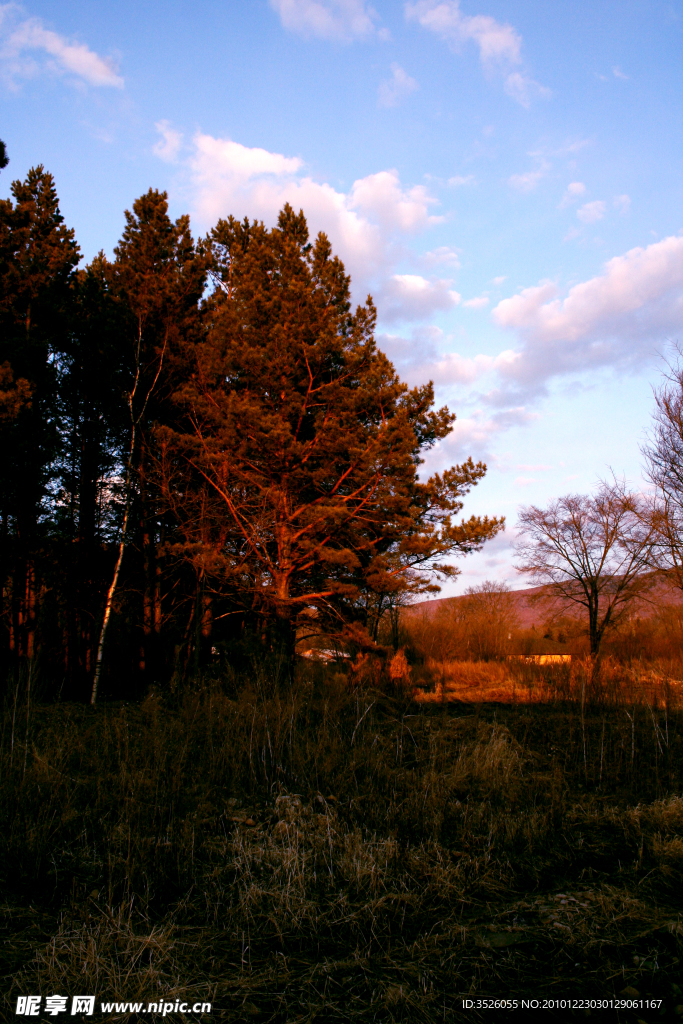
(518, 681)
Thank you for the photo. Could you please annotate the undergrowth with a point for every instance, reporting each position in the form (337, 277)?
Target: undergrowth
(316, 852)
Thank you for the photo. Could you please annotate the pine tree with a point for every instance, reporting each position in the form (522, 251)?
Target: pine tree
(93, 373)
(158, 278)
(38, 257)
(306, 440)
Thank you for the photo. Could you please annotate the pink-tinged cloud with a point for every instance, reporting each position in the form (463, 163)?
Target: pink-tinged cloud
(616, 318)
(339, 20)
(22, 43)
(408, 297)
(392, 90)
(589, 213)
(641, 280)
(497, 43)
(367, 225)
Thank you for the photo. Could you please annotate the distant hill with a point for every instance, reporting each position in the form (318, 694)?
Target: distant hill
(534, 605)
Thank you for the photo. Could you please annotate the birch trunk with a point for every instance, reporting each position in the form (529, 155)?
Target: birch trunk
(110, 601)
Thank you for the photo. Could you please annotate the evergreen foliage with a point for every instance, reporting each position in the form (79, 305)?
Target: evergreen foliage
(188, 472)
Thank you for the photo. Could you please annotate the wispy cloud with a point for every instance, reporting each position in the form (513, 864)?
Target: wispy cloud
(574, 191)
(589, 213)
(423, 354)
(474, 433)
(28, 48)
(622, 203)
(339, 20)
(523, 88)
(392, 90)
(529, 180)
(618, 73)
(461, 179)
(167, 147)
(500, 45)
(410, 297)
(444, 254)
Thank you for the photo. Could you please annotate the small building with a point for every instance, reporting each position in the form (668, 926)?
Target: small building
(541, 659)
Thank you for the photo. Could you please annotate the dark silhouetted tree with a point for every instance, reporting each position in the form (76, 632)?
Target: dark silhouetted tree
(158, 278)
(38, 257)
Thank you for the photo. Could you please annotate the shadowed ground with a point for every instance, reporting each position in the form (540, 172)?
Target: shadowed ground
(318, 853)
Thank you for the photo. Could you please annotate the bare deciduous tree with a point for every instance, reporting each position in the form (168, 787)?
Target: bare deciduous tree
(664, 458)
(490, 617)
(593, 551)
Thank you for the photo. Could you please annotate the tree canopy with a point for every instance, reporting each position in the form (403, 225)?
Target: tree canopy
(307, 439)
(205, 465)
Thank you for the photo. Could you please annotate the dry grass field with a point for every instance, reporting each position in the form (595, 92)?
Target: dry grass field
(329, 853)
(520, 680)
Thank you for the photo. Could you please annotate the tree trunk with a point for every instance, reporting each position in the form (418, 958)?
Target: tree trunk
(108, 607)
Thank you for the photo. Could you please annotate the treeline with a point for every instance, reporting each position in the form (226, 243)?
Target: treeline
(485, 624)
(203, 452)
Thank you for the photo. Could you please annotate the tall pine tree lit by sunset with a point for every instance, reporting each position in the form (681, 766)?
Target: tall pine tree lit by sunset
(304, 443)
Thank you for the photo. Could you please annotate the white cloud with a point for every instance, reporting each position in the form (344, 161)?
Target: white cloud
(392, 90)
(622, 203)
(614, 318)
(413, 297)
(477, 303)
(238, 162)
(229, 178)
(23, 42)
(589, 213)
(452, 368)
(381, 196)
(499, 280)
(529, 180)
(573, 192)
(459, 179)
(618, 73)
(168, 146)
(367, 225)
(341, 20)
(519, 310)
(420, 357)
(412, 353)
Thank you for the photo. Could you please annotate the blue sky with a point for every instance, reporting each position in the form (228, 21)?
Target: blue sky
(504, 178)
